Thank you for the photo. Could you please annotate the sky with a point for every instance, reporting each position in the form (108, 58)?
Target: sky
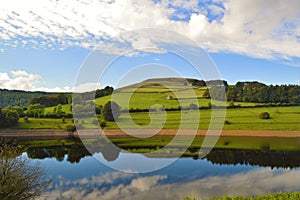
(45, 44)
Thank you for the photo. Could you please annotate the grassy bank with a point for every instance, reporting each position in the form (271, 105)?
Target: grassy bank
(222, 143)
(277, 196)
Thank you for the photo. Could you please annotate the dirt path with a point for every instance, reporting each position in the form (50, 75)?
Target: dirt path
(55, 133)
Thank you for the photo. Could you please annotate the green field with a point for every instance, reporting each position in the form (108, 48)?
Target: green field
(65, 108)
(282, 118)
(144, 98)
(41, 123)
(148, 95)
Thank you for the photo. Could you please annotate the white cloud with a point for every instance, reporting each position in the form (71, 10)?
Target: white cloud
(22, 80)
(266, 29)
(125, 186)
(86, 87)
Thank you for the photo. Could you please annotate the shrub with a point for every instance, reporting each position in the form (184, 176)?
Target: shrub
(193, 106)
(8, 118)
(231, 104)
(111, 111)
(95, 121)
(102, 123)
(26, 119)
(264, 115)
(52, 115)
(70, 127)
(209, 105)
(227, 122)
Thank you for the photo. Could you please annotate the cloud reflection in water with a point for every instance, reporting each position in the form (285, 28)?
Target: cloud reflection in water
(118, 185)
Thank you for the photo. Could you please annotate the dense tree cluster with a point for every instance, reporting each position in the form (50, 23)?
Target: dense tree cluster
(18, 97)
(261, 93)
(104, 92)
(8, 118)
(49, 101)
(202, 83)
(111, 111)
(195, 82)
(94, 94)
(86, 108)
(24, 98)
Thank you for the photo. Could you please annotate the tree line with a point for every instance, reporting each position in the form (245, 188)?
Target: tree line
(50, 101)
(260, 93)
(18, 97)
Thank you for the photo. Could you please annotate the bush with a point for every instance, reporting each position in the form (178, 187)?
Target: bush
(52, 115)
(70, 127)
(209, 105)
(227, 122)
(264, 115)
(8, 118)
(231, 104)
(193, 106)
(95, 121)
(26, 119)
(102, 123)
(111, 111)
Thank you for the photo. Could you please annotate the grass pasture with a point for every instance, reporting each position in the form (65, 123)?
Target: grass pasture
(148, 95)
(65, 108)
(282, 118)
(41, 123)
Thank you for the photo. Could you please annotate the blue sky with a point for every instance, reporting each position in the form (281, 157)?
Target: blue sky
(42, 47)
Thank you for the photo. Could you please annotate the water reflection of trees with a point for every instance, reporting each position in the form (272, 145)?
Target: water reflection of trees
(264, 157)
(75, 152)
(18, 178)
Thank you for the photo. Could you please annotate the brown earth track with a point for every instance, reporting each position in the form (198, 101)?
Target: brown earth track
(54, 133)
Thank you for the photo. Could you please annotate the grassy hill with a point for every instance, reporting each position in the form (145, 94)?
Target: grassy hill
(157, 91)
(171, 93)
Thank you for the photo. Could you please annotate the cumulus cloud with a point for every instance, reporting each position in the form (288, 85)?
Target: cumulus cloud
(266, 29)
(86, 87)
(22, 80)
(125, 186)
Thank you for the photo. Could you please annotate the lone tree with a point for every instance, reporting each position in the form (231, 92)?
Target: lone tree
(19, 178)
(264, 115)
(111, 111)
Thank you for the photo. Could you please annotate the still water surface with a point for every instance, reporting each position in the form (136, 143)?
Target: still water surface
(76, 174)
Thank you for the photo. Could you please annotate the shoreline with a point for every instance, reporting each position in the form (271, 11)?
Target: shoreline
(90, 133)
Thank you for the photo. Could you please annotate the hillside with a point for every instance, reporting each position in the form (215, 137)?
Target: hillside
(170, 93)
(18, 97)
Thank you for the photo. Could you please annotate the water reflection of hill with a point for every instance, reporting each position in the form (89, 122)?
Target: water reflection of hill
(265, 157)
